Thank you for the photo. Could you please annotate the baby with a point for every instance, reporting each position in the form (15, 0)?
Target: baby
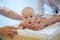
(29, 19)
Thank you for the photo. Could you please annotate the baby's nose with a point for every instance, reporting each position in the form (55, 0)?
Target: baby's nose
(29, 22)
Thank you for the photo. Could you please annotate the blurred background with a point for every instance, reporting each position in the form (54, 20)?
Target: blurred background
(18, 6)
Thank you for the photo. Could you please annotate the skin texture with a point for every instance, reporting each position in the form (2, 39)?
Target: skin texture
(10, 13)
(28, 16)
(46, 22)
(37, 22)
(30, 19)
(8, 31)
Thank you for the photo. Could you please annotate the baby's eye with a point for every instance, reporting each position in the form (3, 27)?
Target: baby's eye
(26, 17)
(31, 16)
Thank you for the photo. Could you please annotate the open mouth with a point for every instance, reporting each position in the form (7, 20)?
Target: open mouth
(29, 22)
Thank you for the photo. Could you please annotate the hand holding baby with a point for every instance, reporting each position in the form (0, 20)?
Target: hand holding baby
(8, 31)
(30, 19)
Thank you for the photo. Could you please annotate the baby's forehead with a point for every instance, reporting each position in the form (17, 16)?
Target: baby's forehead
(27, 11)
(27, 8)
(28, 14)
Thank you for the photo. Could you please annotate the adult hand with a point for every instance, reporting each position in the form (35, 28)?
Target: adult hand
(9, 32)
(42, 24)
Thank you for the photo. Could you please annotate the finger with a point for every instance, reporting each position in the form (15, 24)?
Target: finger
(14, 31)
(11, 35)
(36, 28)
(35, 24)
(42, 27)
(38, 25)
(7, 34)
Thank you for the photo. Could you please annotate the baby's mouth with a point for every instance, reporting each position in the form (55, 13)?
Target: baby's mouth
(29, 22)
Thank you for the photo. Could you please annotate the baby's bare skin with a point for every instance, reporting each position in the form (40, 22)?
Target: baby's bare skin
(30, 18)
(37, 22)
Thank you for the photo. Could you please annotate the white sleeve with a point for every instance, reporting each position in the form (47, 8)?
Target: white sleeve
(40, 7)
(1, 6)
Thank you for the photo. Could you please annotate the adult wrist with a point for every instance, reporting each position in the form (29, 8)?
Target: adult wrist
(53, 19)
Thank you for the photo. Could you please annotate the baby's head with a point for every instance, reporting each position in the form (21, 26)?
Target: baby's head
(28, 15)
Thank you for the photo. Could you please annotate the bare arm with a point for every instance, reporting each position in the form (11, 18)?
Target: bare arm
(54, 19)
(9, 13)
(46, 22)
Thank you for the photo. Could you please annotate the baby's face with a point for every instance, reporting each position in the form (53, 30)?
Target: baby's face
(28, 16)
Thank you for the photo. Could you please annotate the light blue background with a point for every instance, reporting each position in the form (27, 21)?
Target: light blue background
(17, 6)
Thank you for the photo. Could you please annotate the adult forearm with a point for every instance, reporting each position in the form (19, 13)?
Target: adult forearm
(14, 15)
(11, 14)
(54, 19)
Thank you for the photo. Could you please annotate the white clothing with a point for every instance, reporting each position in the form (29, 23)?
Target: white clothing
(51, 3)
